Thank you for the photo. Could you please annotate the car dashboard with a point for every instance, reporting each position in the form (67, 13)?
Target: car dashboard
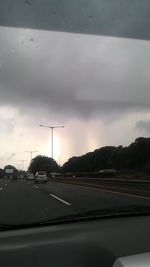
(117, 242)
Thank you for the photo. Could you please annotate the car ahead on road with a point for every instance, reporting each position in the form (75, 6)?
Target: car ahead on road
(40, 177)
(30, 177)
(20, 176)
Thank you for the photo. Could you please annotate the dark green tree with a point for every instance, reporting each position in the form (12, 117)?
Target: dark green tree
(43, 163)
(134, 157)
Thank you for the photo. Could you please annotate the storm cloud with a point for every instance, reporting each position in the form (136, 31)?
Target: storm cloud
(143, 125)
(97, 86)
(72, 74)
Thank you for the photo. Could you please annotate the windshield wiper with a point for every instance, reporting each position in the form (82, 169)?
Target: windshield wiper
(8, 226)
(131, 210)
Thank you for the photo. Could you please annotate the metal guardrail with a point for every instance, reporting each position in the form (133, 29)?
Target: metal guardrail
(93, 180)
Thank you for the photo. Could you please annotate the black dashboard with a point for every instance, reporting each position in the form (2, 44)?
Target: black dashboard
(87, 243)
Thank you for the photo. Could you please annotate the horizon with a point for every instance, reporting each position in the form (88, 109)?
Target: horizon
(38, 155)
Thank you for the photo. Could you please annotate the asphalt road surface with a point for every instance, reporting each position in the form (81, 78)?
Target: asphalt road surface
(26, 202)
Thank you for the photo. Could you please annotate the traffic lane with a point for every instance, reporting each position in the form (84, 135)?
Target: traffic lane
(83, 198)
(23, 204)
(140, 192)
(133, 187)
(4, 182)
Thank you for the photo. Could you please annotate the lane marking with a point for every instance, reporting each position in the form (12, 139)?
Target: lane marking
(126, 194)
(63, 201)
(112, 187)
(35, 186)
(114, 192)
(1, 188)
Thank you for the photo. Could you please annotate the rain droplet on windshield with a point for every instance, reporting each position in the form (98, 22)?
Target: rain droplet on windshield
(54, 13)
(90, 17)
(70, 27)
(12, 50)
(31, 39)
(27, 2)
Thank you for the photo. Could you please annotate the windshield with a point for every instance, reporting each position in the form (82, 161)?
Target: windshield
(75, 108)
(42, 173)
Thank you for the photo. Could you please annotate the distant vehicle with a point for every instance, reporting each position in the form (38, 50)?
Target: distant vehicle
(41, 177)
(20, 176)
(30, 177)
(108, 171)
(10, 172)
(55, 174)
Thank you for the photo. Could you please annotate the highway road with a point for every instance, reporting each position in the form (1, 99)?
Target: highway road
(26, 202)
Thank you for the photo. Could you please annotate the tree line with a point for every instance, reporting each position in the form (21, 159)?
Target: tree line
(134, 157)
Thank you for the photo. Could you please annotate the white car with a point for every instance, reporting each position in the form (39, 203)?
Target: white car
(41, 177)
(20, 176)
(30, 176)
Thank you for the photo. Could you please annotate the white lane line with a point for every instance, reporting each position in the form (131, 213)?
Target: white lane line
(1, 188)
(35, 186)
(115, 192)
(63, 201)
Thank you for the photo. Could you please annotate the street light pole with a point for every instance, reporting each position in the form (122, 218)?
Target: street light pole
(23, 161)
(31, 152)
(52, 130)
(52, 134)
